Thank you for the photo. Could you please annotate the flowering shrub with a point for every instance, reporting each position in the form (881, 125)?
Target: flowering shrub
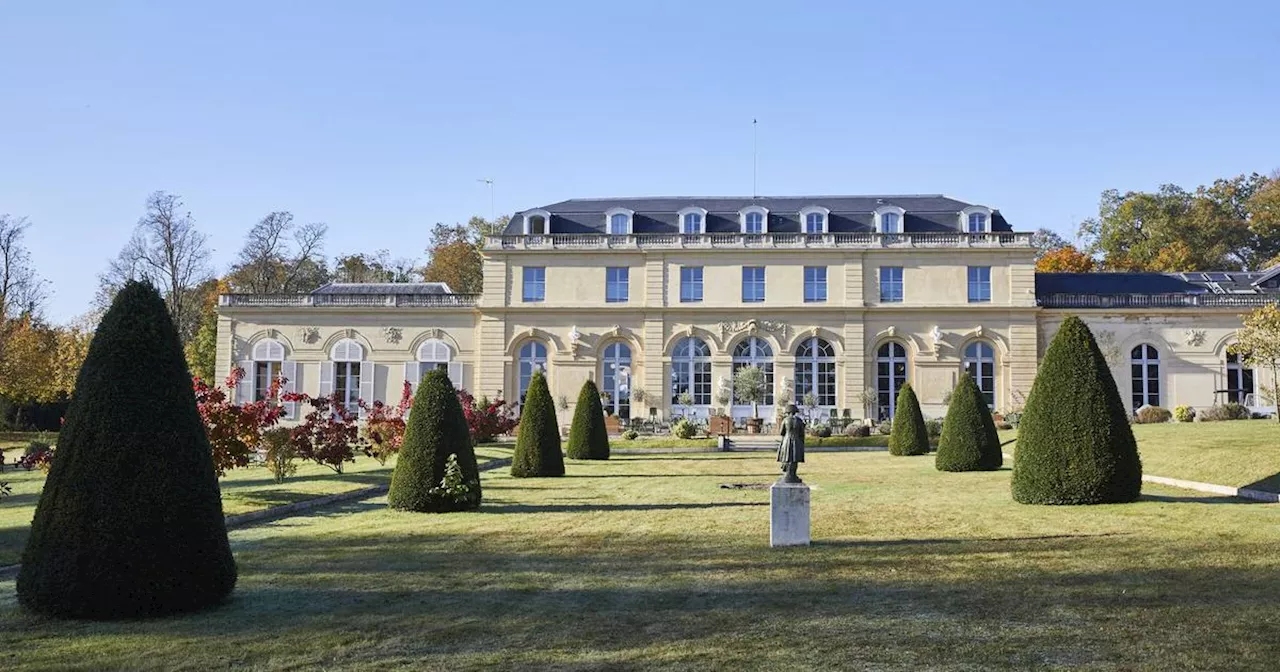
(235, 430)
(383, 429)
(1184, 413)
(328, 434)
(37, 454)
(487, 419)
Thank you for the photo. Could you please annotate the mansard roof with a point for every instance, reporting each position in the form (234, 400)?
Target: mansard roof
(384, 288)
(851, 214)
(1114, 284)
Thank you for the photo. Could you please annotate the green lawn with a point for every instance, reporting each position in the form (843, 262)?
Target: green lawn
(1236, 453)
(243, 491)
(653, 442)
(643, 561)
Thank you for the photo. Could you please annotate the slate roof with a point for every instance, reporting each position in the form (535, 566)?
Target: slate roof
(1111, 284)
(384, 288)
(848, 214)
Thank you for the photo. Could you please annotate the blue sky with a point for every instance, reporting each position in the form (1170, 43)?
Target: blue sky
(378, 117)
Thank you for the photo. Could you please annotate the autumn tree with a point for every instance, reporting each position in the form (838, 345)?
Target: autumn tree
(1258, 345)
(374, 267)
(1232, 224)
(280, 258)
(454, 256)
(202, 350)
(168, 251)
(1066, 259)
(1047, 240)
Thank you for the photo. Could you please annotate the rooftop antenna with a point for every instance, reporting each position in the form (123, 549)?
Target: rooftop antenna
(754, 190)
(489, 181)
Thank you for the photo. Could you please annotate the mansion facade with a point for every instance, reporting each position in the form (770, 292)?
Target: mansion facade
(840, 300)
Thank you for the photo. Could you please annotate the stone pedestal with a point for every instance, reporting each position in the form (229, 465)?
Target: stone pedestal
(788, 514)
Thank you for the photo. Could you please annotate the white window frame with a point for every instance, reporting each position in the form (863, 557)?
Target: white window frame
(433, 354)
(346, 352)
(528, 222)
(814, 210)
(752, 351)
(975, 210)
(986, 354)
(883, 210)
(615, 378)
(608, 220)
(686, 360)
(692, 210)
(809, 368)
(273, 353)
(895, 383)
(757, 210)
(536, 361)
(1144, 381)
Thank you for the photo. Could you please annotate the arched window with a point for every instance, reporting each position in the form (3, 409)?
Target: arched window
(1239, 379)
(753, 222)
(347, 376)
(536, 225)
(816, 372)
(977, 222)
(814, 222)
(433, 354)
(533, 357)
(268, 364)
(891, 373)
(1144, 362)
(615, 378)
(980, 363)
(691, 372)
(753, 351)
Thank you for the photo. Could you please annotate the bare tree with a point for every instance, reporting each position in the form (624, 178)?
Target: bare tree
(268, 264)
(21, 290)
(168, 251)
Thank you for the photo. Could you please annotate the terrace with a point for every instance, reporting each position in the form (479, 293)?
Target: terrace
(599, 241)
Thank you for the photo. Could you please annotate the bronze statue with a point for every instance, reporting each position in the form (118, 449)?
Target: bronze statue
(791, 448)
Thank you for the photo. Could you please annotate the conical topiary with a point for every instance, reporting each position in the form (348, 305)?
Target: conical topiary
(910, 436)
(588, 438)
(130, 520)
(538, 443)
(435, 430)
(1075, 445)
(969, 441)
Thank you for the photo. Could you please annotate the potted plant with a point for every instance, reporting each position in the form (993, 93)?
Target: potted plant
(750, 385)
(721, 422)
(685, 400)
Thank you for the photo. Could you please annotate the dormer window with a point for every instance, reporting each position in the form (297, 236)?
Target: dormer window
(888, 219)
(975, 219)
(754, 219)
(537, 223)
(618, 221)
(693, 221)
(814, 219)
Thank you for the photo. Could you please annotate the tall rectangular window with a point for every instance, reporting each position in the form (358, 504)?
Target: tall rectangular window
(977, 223)
(815, 284)
(690, 284)
(535, 284)
(979, 284)
(891, 284)
(616, 285)
(752, 284)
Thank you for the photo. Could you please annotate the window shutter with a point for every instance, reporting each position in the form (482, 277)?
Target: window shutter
(326, 379)
(455, 375)
(244, 390)
(366, 383)
(289, 370)
(412, 375)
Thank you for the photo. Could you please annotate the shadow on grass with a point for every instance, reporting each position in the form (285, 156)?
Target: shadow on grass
(1197, 499)
(377, 477)
(698, 475)
(1268, 484)
(502, 507)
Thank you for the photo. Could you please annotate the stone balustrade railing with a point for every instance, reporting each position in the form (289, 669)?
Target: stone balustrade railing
(350, 300)
(596, 241)
(1156, 300)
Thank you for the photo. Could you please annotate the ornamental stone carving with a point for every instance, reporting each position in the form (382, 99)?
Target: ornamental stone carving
(1195, 337)
(392, 334)
(309, 334)
(754, 326)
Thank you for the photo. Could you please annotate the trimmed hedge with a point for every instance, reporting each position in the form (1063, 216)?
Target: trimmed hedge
(588, 438)
(1075, 445)
(435, 430)
(969, 441)
(910, 435)
(538, 443)
(130, 520)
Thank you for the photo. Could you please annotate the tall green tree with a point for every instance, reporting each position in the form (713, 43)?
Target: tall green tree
(969, 440)
(130, 520)
(436, 430)
(1075, 445)
(1258, 345)
(588, 437)
(538, 440)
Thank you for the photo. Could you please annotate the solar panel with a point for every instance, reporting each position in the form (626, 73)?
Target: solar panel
(1218, 277)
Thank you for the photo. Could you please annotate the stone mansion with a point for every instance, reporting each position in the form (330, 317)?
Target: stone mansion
(839, 299)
